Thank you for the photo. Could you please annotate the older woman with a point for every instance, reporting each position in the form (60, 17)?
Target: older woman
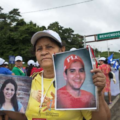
(42, 100)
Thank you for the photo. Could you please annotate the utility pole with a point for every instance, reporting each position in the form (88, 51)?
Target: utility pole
(107, 49)
(84, 42)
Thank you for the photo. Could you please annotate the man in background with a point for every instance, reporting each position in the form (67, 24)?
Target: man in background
(18, 64)
(6, 65)
(4, 70)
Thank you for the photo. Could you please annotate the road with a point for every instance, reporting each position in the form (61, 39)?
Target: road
(115, 111)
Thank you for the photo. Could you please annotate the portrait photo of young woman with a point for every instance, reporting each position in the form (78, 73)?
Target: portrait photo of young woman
(8, 97)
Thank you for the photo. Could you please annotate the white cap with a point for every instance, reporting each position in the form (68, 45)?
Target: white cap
(31, 62)
(6, 63)
(18, 58)
(1, 61)
(46, 33)
(37, 64)
(73, 49)
(102, 58)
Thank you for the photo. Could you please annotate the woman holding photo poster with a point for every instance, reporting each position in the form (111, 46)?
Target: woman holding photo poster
(41, 104)
(8, 98)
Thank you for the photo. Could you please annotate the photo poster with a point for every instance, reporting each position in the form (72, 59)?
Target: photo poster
(74, 85)
(93, 60)
(14, 93)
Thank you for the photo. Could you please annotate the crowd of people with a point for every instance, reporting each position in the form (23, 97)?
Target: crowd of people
(46, 43)
(3, 69)
(18, 69)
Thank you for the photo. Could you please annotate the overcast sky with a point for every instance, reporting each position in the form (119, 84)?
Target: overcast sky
(96, 16)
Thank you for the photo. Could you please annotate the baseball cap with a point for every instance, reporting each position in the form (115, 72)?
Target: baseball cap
(46, 33)
(2, 61)
(31, 62)
(37, 64)
(18, 58)
(102, 58)
(6, 63)
(73, 49)
(70, 59)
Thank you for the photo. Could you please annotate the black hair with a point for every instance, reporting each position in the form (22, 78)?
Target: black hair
(6, 65)
(2, 65)
(28, 69)
(14, 98)
(51, 39)
(106, 61)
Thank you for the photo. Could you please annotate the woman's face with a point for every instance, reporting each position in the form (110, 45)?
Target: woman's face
(44, 50)
(18, 63)
(9, 91)
(101, 62)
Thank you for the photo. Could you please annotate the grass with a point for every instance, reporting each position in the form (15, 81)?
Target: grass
(116, 55)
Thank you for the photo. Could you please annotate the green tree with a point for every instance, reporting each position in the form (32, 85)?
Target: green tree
(15, 35)
(67, 35)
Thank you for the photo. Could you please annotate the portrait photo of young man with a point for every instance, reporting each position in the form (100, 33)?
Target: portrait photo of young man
(70, 95)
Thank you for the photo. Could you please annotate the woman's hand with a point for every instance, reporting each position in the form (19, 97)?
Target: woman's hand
(99, 80)
(14, 115)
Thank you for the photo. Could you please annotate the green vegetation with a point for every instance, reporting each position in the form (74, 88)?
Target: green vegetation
(116, 55)
(15, 35)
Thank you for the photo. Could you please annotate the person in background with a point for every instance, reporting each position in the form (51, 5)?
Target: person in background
(31, 69)
(42, 98)
(6, 65)
(37, 64)
(72, 49)
(17, 68)
(4, 70)
(23, 67)
(105, 68)
(39, 69)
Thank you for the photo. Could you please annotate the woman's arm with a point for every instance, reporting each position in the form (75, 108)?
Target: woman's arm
(103, 112)
(0, 117)
(15, 116)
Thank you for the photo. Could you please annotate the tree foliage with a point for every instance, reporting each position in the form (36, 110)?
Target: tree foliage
(15, 35)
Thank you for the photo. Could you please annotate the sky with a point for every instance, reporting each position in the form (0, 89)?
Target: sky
(85, 18)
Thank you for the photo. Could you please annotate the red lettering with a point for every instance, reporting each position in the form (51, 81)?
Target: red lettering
(38, 118)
